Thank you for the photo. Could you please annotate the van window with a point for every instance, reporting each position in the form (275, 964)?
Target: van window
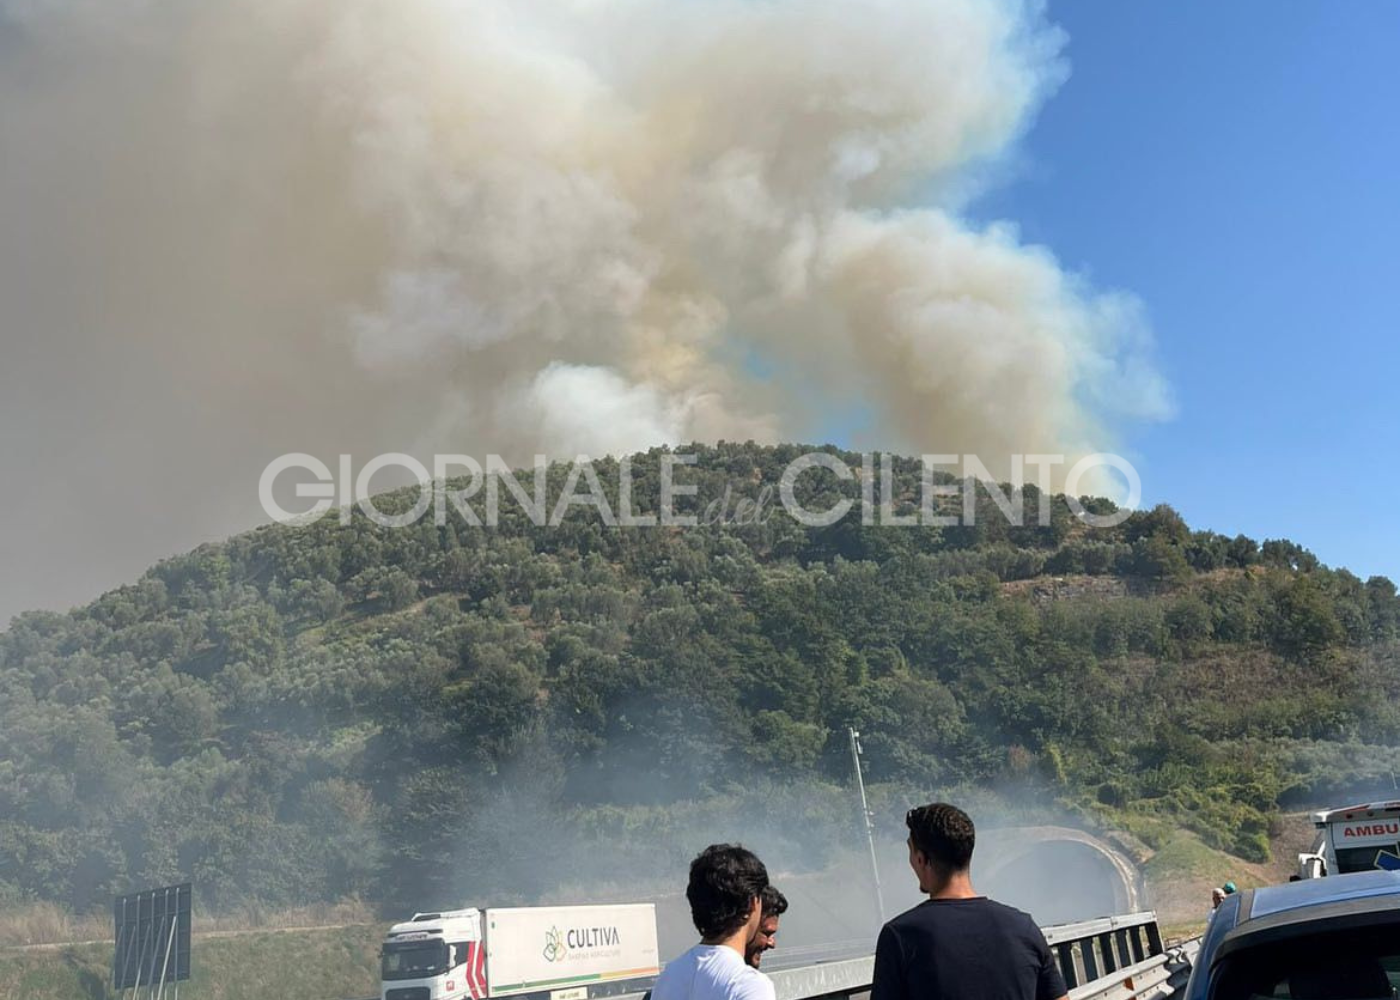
(1362, 859)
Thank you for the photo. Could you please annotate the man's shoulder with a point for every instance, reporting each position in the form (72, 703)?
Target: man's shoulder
(738, 980)
(682, 967)
(1010, 912)
(686, 959)
(751, 984)
(932, 911)
(711, 973)
(1009, 916)
(902, 921)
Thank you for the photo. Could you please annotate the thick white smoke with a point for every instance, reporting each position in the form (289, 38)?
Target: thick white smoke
(229, 231)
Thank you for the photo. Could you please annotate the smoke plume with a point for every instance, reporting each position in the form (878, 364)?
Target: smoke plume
(230, 231)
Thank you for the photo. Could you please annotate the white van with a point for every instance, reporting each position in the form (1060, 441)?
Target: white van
(1354, 839)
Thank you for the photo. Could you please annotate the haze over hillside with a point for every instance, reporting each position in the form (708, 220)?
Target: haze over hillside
(419, 714)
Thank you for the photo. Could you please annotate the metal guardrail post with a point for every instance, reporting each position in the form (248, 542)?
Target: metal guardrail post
(1103, 949)
(1091, 961)
(1135, 935)
(1154, 938)
(1068, 968)
(1108, 953)
(1121, 949)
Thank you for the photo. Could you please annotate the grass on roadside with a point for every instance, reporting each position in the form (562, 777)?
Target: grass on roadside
(45, 923)
(309, 965)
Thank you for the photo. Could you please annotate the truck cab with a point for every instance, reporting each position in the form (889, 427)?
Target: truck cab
(434, 956)
(1354, 839)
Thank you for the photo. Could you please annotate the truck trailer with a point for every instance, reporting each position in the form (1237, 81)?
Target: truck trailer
(537, 952)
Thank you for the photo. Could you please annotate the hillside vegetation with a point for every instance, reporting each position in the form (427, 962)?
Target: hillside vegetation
(317, 964)
(403, 715)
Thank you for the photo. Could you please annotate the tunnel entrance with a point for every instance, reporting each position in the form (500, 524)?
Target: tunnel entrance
(1056, 874)
(1057, 882)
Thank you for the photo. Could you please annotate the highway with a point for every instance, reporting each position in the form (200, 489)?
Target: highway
(1118, 957)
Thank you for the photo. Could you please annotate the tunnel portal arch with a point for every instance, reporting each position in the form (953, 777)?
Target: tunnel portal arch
(1058, 875)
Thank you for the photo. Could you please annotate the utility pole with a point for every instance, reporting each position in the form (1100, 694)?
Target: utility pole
(867, 820)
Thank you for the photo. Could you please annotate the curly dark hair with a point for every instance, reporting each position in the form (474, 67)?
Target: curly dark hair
(775, 904)
(942, 833)
(725, 879)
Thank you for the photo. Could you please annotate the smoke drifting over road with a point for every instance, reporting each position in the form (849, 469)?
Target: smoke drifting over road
(230, 231)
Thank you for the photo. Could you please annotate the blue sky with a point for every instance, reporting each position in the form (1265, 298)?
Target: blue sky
(1237, 166)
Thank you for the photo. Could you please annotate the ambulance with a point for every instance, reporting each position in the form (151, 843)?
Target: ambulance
(1354, 839)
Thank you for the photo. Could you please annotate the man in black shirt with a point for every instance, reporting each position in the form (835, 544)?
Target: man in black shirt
(958, 945)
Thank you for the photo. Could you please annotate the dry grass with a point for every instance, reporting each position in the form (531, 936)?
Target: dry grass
(314, 965)
(1181, 875)
(44, 924)
(345, 913)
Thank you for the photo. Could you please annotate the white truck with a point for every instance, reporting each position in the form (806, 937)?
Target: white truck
(539, 952)
(1354, 839)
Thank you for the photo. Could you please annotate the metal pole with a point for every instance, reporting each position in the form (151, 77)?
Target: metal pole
(165, 965)
(141, 959)
(866, 819)
(130, 941)
(155, 957)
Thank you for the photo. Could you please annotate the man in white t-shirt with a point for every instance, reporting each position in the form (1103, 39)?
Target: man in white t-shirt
(726, 903)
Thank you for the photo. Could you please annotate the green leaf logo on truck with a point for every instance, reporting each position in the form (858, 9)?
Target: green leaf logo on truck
(554, 950)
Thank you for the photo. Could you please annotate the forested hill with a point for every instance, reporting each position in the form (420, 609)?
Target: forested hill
(309, 713)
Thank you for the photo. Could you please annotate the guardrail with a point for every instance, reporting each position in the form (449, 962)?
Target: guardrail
(1111, 958)
(1120, 958)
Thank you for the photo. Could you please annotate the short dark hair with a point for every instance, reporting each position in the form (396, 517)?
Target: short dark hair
(942, 833)
(774, 902)
(725, 879)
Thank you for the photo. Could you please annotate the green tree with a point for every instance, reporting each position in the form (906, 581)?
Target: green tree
(1305, 621)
